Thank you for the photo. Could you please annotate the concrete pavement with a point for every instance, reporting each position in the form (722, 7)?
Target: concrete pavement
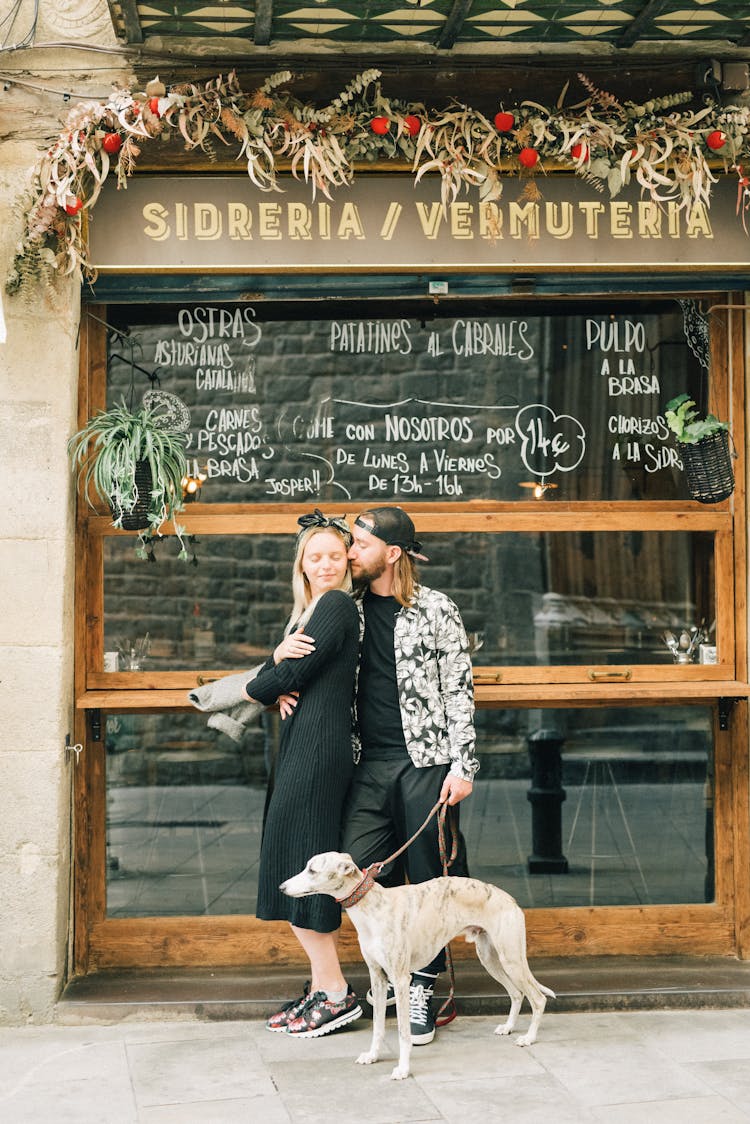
(619, 1067)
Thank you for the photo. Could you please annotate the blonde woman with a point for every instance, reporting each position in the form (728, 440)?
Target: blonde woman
(312, 672)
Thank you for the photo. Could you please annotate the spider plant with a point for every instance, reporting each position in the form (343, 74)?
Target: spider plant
(113, 448)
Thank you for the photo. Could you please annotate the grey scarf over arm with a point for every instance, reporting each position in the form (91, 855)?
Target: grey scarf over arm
(230, 711)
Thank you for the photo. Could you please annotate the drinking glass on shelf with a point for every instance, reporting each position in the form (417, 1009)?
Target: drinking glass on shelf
(133, 653)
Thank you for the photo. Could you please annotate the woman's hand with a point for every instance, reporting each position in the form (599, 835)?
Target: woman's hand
(294, 646)
(287, 704)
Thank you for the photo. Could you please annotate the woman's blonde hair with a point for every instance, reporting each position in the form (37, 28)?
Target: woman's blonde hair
(304, 602)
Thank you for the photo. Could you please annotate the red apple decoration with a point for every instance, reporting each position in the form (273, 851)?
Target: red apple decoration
(504, 122)
(380, 125)
(112, 143)
(579, 151)
(73, 206)
(412, 124)
(528, 157)
(153, 105)
(716, 140)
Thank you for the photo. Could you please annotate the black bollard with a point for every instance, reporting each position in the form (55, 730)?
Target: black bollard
(546, 796)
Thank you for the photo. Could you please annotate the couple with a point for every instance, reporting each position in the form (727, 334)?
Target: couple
(413, 739)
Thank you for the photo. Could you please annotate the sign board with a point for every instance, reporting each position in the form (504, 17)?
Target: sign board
(176, 224)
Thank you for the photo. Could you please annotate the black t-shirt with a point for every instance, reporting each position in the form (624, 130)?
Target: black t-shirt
(378, 711)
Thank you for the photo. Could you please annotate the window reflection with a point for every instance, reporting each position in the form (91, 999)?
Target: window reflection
(619, 805)
(598, 806)
(526, 599)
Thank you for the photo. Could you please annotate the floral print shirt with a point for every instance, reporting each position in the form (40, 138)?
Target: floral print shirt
(435, 685)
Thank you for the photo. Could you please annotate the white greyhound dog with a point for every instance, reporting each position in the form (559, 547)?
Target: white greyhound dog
(403, 927)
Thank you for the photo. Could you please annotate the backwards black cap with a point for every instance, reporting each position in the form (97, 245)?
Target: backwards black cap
(394, 527)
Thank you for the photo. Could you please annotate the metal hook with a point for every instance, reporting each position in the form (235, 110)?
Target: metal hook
(77, 748)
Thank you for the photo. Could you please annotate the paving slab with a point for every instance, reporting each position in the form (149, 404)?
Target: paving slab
(664, 1066)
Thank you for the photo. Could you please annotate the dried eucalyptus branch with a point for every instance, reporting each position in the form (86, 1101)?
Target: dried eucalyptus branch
(669, 149)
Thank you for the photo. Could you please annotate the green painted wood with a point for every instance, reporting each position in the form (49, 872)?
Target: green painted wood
(443, 23)
(171, 288)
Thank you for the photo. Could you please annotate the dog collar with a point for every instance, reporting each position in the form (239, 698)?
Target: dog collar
(365, 884)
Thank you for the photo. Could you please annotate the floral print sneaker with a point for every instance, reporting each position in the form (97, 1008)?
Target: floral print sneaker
(320, 1015)
(278, 1023)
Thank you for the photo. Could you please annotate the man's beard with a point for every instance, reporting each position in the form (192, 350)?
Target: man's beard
(366, 575)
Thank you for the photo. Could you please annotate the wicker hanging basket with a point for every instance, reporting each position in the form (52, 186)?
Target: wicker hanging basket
(137, 519)
(708, 467)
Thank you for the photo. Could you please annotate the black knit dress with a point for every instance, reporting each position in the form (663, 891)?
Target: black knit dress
(314, 764)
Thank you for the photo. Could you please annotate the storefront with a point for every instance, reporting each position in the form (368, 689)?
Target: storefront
(501, 370)
(474, 295)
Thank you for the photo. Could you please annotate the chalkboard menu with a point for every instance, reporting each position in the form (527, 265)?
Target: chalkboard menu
(419, 402)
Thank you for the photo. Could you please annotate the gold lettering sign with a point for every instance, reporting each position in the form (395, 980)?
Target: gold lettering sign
(223, 223)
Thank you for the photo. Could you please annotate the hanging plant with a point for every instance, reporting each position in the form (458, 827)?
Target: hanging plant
(133, 460)
(662, 144)
(704, 447)
(683, 418)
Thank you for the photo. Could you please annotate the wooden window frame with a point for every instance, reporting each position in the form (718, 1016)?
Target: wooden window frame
(719, 928)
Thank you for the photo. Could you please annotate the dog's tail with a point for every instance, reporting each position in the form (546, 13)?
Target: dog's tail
(546, 990)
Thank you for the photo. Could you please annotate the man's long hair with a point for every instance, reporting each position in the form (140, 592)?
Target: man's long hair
(405, 579)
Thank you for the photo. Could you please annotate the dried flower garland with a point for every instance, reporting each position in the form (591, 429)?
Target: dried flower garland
(606, 141)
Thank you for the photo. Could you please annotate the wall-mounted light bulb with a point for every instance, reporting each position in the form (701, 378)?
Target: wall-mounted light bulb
(191, 486)
(539, 488)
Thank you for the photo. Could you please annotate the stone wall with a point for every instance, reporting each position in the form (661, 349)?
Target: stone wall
(38, 387)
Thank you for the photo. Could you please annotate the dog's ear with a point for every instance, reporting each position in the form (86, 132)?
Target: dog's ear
(347, 866)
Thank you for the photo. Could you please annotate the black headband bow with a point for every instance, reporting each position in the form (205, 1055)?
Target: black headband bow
(316, 518)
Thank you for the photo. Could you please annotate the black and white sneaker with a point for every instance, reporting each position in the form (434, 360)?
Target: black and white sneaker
(421, 1017)
(390, 998)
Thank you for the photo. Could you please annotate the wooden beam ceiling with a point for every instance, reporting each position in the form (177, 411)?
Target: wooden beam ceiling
(263, 22)
(645, 18)
(453, 24)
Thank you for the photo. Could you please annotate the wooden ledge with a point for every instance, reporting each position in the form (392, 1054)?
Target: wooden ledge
(607, 694)
(487, 695)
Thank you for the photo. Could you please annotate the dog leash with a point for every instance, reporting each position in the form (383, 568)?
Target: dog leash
(447, 1012)
(370, 873)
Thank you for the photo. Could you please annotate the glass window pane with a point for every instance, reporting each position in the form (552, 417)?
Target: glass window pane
(526, 599)
(227, 611)
(470, 401)
(571, 807)
(612, 597)
(184, 814)
(597, 806)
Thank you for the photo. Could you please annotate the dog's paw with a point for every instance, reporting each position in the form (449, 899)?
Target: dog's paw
(504, 1028)
(526, 1040)
(399, 1073)
(367, 1058)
